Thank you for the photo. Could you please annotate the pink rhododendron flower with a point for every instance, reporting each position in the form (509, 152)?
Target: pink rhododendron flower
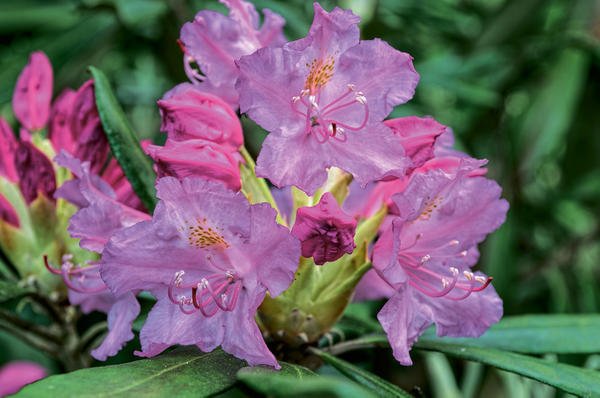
(426, 253)
(17, 374)
(35, 172)
(325, 231)
(417, 135)
(323, 99)
(223, 256)
(213, 42)
(196, 158)
(188, 113)
(33, 92)
(99, 217)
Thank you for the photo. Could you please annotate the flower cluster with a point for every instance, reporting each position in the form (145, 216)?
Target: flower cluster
(222, 250)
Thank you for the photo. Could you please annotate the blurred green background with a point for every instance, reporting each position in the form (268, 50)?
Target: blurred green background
(517, 80)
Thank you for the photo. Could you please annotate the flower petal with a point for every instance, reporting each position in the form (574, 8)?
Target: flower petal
(120, 320)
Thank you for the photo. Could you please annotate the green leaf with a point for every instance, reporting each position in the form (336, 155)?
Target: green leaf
(536, 334)
(123, 141)
(181, 373)
(527, 334)
(582, 382)
(11, 290)
(296, 381)
(366, 379)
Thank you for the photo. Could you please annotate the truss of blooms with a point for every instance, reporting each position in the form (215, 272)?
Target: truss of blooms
(359, 206)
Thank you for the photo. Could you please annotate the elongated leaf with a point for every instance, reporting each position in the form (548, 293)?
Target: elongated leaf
(11, 290)
(366, 379)
(296, 381)
(537, 334)
(182, 373)
(579, 381)
(527, 334)
(123, 141)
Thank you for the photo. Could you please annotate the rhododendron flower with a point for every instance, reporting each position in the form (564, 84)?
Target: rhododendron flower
(426, 253)
(223, 256)
(33, 92)
(213, 42)
(419, 137)
(188, 113)
(8, 213)
(324, 230)
(196, 158)
(323, 99)
(101, 214)
(17, 374)
(99, 217)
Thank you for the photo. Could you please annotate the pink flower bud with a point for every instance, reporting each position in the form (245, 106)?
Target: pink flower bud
(33, 92)
(188, 113)
(86, 128)
(325, 231)
(17, 374)
(8, 146)
(196, 158)
(35, 172)
(59, 130)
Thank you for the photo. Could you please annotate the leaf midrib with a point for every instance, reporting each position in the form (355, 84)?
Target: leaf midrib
(166, 370)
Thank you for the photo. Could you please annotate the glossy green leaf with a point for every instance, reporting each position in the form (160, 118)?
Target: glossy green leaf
(123, 141)
(579, 381)
(366, 379)
(11, 290)
(536, 334)
(296, 381)
(527, 334)
(182, 373)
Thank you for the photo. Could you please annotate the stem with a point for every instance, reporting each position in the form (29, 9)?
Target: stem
(31, 339)
(358, 344)
(21, 324)
(257, 188)
(91, 333)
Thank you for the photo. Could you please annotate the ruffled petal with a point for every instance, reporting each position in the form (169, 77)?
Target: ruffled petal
(385, 75)
(120, 320)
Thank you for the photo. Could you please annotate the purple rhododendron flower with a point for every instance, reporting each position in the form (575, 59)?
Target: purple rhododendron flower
(323, 99)
(196, 158)
(17, 374)
(426, 253)
(324, 230)
(213, 42)
(33, 92)
(8, 213)
(100, 214)
(188, 113)
(99, 217)
(223, 256)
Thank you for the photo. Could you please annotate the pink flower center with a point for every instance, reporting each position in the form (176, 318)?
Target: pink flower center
(454, 286)
(218, 291)
(322, 120)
